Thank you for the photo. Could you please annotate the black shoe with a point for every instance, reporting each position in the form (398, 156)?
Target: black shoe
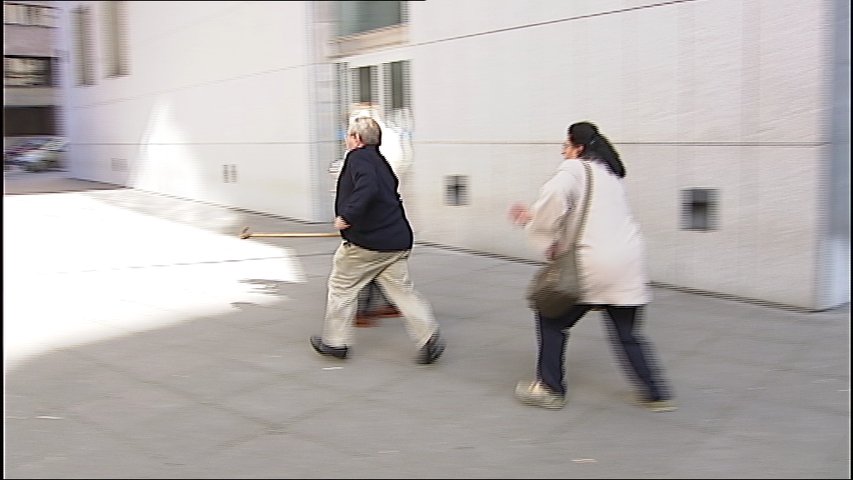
(432, 350)
(323, 349)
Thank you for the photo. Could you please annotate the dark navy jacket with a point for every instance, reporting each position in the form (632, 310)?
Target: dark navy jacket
(368, 201)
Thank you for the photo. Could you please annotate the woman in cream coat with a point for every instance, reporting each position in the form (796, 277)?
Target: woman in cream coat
(611, 262)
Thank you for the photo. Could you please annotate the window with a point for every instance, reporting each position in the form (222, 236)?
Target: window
(385, 89)
(363, 16)
(83, 46)
(27, 72)
(368, 25)
(398, 75)
(21, 121)
(699, 209)
(393, 83)
(365, 85)
(381, 91)
(33, 15)
(115, 28)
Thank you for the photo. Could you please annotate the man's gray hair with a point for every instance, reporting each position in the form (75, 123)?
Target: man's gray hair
(367, 129)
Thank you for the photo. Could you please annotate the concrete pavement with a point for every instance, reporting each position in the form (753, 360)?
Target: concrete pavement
(142, 339)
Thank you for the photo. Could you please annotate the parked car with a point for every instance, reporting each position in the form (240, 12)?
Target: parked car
(46, 156)
(12, 152)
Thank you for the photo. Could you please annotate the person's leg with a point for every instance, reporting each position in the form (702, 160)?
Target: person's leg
(367, 298)
(377, 303)
(417, 313)
(384, 307)
(632, 347)
(552, 335)
(352, 269)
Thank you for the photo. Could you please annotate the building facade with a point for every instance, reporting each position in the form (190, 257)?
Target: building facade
(30, 69)
(732, 117)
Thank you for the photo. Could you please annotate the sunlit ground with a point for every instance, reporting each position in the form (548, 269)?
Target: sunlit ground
(78, 270)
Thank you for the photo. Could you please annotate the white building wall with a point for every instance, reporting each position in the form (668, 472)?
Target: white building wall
(210, 84)
(719, 94)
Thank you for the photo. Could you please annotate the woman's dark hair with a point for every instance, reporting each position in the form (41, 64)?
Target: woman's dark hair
(596, 145)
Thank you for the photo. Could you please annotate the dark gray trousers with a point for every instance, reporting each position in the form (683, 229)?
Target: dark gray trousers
(632, 348)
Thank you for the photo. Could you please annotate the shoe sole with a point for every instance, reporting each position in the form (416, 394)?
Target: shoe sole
(651, 407)
(661, 409)
(327, 354)
(439, 349)
(536, 403)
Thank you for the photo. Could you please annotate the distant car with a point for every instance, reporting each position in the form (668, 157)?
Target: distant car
(55, 144)
(44, 157)
(12, 152)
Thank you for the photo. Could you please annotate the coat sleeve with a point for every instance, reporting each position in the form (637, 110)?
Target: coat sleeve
(364, 190)
(548, 211)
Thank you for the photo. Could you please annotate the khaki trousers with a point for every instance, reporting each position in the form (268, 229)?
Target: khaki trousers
(352, 268)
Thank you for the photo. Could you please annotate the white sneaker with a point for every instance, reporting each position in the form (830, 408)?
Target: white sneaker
(538, 395)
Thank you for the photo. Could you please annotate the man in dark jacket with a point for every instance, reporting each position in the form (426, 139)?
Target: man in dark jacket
(377, 242)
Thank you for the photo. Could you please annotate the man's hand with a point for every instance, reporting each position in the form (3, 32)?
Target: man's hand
(341, 224)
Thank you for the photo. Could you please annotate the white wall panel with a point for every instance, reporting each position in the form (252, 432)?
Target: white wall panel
(710, 77)
(767, 231)
(446, 19)
(210, 84)
(794, 72)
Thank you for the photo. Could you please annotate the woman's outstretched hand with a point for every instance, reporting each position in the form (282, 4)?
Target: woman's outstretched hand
(519, 215)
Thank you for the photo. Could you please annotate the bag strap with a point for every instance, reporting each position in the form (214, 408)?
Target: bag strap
(586, 199)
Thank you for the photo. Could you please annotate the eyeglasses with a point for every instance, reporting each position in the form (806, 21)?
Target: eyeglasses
(566, 144)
